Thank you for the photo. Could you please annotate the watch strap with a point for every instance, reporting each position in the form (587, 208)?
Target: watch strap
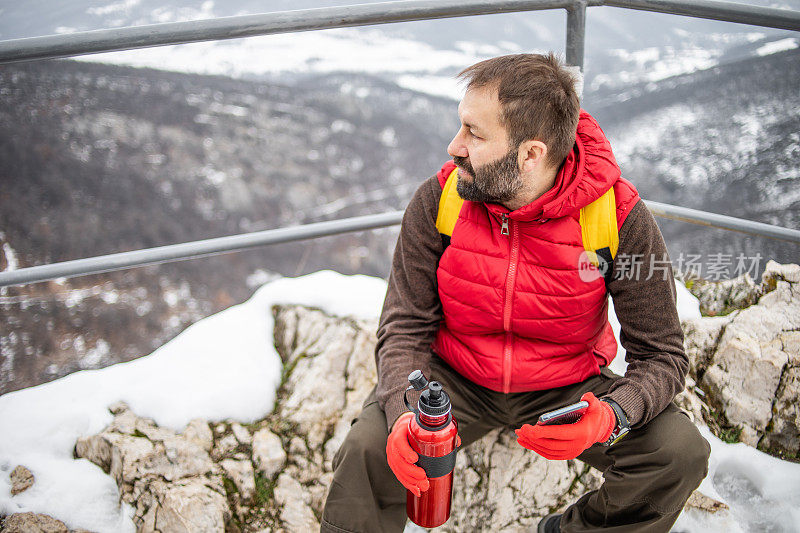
(623, 425)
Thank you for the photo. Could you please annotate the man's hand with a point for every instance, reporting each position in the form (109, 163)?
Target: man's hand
(401, 457)
(568, 441)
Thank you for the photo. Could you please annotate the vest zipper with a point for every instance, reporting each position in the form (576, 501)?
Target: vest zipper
(511, 278)
(504, 228)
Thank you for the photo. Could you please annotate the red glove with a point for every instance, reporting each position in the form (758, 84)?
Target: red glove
(568, 441)
(401, 457)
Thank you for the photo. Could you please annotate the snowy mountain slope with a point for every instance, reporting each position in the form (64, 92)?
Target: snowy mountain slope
(726, 140)
(99, 159)
(622, 46)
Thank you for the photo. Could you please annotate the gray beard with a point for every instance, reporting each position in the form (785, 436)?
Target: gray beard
(495, 182)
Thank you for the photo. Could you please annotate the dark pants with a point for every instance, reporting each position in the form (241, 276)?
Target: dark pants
(648, 475)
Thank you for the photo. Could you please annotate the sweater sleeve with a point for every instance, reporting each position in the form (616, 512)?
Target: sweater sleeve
(411, 310)
(644, 296)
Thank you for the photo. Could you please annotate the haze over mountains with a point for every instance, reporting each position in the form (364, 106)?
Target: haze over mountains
(622, 46)
(100, 158)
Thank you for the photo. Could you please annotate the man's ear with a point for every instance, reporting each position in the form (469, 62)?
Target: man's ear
(532, 155)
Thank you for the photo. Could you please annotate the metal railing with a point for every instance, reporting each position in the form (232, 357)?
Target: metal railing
(90, 42)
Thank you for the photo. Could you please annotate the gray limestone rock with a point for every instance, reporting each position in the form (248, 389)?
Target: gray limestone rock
(489, 495)
(33, 523)
(185, 506)
(169, 478)
(268, 453)
(722, 297)
(319, 356)
(199, 432)
(747, 363)
(225, 446)
(242, 435)
(242, 475)
(21, 480)
(291, 499)
(700, 501)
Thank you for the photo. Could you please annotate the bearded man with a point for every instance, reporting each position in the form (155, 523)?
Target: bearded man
(500, 312)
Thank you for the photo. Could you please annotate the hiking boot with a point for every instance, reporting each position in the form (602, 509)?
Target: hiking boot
(550, 524)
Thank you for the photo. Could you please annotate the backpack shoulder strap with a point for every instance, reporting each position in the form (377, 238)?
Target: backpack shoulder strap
(449, 207)
(598, 222)
(600, 233)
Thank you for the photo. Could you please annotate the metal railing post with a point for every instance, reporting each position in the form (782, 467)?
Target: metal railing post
(576, 33)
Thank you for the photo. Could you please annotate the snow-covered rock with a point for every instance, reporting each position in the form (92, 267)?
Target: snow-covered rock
(278, 476)
(169, 478)
(722, 297)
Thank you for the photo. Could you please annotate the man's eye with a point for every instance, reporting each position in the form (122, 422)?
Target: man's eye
(474, 134)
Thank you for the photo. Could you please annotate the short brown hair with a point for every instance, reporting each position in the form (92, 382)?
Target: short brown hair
(537, 97)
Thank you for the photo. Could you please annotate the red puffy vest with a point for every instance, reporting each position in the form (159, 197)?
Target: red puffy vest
(517, 315)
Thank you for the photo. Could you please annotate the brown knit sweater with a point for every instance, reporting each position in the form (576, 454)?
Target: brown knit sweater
(651, 332)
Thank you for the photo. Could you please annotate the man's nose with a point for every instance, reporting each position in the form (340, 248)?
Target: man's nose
(457, 146)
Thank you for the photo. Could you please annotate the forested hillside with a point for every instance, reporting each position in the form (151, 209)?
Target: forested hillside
(97, 159)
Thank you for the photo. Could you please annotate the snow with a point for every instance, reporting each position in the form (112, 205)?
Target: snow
(11, 256)
(223, 367)
(762, 492)
(648, 133)
(655, 64)
(446, 86)
(226, 367)
(346, 49)
(11, 260)
(778, 46)
(119, 7)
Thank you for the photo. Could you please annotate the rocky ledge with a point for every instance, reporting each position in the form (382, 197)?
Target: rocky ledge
(273, 475)
(746, 363)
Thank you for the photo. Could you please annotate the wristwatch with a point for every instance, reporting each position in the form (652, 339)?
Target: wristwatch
(623, 425)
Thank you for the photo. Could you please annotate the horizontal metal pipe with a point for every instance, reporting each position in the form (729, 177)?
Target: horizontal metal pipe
(91, 42)
(785, 19)
(188, 250)
(713, 220)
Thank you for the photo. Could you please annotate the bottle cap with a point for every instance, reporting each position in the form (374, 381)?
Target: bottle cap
(434, 401)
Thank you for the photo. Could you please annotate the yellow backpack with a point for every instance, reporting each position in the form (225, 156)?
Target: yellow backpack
(598, 224)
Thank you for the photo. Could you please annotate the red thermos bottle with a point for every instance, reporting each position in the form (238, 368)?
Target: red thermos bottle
(432, 435)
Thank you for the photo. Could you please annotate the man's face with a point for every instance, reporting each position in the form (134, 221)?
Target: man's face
(488, 169)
